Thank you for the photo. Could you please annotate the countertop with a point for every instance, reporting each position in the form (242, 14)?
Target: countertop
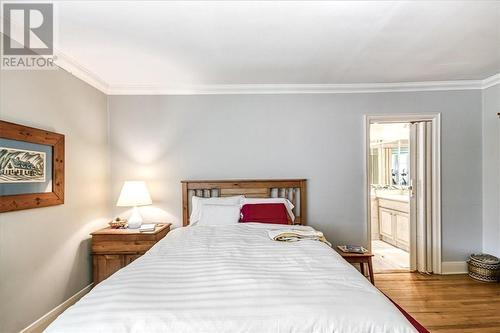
(394, 197)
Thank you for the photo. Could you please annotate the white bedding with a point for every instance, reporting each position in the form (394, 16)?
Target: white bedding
(234, 279)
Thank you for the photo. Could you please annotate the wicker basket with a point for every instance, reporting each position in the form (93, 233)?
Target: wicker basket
(484, 267)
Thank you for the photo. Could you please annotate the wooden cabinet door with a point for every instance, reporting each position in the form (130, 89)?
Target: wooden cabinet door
(402, 230)
(131, 257)
(106, 264)
(385, 218)
(374, 218)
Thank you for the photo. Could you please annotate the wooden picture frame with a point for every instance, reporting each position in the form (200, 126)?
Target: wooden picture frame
(18, 132)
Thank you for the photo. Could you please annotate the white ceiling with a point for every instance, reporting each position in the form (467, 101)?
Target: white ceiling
(176, 45)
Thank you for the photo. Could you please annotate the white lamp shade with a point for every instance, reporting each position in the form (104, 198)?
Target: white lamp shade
(134, 193)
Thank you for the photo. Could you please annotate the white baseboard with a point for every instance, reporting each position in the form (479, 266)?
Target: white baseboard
(42, 323)
(454, 267)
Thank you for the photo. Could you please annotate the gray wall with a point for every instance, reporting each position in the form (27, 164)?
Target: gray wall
(44, 252)
(491, 170)
(163, 139)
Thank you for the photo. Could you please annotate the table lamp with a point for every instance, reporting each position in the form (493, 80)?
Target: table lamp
(133, 194)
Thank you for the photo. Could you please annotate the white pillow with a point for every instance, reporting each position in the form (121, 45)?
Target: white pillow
(219, 214)
(198, 202)
(289, 206)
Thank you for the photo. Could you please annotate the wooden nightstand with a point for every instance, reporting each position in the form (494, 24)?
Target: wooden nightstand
(361, 259)
(113, 249)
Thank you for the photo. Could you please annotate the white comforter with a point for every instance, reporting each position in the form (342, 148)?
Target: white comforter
(234, 279)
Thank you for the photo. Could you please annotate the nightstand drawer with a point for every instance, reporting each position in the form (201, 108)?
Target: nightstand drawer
(113, 249)
(121, 246)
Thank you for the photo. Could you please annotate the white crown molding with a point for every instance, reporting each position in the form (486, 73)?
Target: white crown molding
(73, 67)
(304, 88)
(491, 81)
(294, 88)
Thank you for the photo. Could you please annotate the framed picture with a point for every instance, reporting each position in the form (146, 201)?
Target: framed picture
(22, 166)
(31, 167)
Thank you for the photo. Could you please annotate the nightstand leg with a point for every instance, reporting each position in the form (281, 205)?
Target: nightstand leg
(362, 268)
(370, 268)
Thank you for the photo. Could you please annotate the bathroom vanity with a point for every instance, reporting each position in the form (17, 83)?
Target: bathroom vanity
(390, 218)
(394, 220)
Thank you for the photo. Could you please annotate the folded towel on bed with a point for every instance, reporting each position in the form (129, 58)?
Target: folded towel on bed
(297, 233)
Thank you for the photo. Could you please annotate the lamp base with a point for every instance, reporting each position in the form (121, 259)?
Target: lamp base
(135, 220)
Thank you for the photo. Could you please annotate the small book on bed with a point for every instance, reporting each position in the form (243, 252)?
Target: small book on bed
(352, 249)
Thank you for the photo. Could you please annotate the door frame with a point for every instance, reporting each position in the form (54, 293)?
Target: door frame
(435, 118)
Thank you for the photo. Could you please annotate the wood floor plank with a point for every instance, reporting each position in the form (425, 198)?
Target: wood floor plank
(445, 303)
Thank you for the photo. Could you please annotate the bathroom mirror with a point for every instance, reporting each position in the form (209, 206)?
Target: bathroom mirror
(400, 166)
(390, 163)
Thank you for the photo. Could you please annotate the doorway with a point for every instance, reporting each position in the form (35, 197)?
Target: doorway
(403, 192)
(389, 178)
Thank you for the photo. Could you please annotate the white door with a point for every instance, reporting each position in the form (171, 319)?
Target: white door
(421, 258)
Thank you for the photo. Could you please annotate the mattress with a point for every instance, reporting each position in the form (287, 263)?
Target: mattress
(234, 279)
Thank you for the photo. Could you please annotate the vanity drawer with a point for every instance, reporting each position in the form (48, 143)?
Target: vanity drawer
(394, 205)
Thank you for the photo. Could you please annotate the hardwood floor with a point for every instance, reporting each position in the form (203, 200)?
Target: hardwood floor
(445, 303)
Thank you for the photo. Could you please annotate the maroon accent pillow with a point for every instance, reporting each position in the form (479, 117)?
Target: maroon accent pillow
(274, 213)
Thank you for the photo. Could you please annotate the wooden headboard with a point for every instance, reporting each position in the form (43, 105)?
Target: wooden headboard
(292, 189)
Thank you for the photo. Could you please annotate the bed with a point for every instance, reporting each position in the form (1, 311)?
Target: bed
(234, 278)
